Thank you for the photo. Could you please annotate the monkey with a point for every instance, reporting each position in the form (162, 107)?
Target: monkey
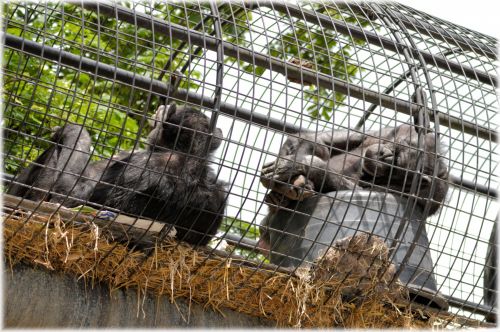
(57, 169)
(171, 181)
(386, 159)
(379, 160)
(315, 149)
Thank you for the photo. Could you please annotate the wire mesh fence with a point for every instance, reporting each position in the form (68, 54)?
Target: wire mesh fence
(336, 120)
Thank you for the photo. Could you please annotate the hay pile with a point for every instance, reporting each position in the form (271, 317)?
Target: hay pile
(362, 262)
(314, 298)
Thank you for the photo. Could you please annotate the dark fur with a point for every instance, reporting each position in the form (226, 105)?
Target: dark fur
(375, 160)
(57, 169)
(170, 182)
(379, 161)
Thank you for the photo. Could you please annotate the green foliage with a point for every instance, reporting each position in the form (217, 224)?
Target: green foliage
(328, 55)
(244, 229)
(40, 95)
(240, 227)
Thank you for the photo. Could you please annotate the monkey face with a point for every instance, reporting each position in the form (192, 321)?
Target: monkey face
(183, 128)
(377, 159)
(398, 157)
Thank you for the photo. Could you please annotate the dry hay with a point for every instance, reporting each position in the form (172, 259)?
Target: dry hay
(311, 298)
(362, 262)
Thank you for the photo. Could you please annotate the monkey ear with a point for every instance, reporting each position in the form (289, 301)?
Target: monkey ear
(172, 107)
(216, 139)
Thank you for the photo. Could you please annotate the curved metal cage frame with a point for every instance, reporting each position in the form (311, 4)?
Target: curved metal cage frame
(258, 70)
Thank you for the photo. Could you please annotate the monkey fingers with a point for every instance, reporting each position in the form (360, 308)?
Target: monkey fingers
(266, 172)
(300, 188)
(157, 118)
(282, 170)
(346, 184)
(378, 160)
(266, 181)
(287, 168)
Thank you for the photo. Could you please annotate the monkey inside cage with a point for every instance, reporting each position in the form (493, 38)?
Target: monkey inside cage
(280, 135)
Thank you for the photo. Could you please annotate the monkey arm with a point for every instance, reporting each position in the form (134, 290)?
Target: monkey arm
(131, 181)
(30, 176)
(278, 175)
(433, 197)
(56, 170)
(335, 141)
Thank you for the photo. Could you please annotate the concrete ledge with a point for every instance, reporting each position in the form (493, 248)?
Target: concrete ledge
(34, 297)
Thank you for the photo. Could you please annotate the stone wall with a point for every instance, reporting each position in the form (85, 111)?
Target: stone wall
(34, 297)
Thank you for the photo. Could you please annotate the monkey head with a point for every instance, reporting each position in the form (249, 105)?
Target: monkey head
(183, 128)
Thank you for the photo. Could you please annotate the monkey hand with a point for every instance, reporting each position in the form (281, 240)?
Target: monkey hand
(288, 177)
(282, 193)
(285, 168)
(274, 200)
(300, 188)
(378, 160)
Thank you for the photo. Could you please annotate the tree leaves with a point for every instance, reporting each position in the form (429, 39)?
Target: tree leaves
(309, 42)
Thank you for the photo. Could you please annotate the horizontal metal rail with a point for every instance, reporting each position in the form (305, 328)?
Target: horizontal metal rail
(476, 308)
(462, 41)
(95, 68)
(471, 185)
(374, 39)
(388, 90)
(138, 81)
(287, 69)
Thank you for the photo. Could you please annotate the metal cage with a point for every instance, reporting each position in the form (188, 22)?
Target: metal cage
(265, 71)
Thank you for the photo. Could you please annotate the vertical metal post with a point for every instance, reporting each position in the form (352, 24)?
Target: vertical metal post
(396, 241)
(220, 65)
